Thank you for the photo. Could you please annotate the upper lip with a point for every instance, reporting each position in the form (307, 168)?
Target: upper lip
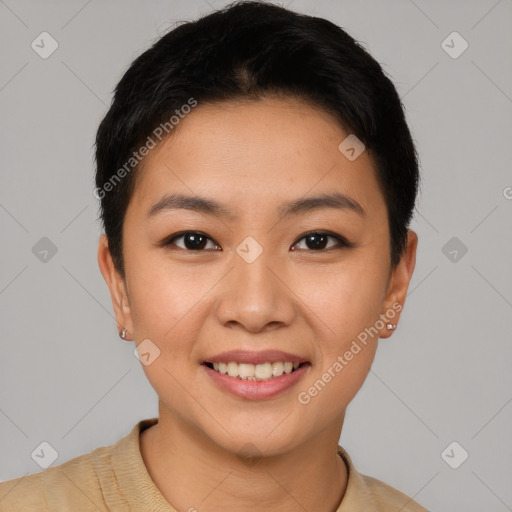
(251, 357)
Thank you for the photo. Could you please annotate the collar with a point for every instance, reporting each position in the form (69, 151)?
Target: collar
(128, 471)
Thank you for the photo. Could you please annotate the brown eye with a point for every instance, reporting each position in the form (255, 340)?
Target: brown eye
(318, 241)
(192, 241)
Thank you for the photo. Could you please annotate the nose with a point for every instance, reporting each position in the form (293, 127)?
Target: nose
(255, 296)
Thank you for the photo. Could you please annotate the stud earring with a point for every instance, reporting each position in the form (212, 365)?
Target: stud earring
(391, 327)
(123, 333)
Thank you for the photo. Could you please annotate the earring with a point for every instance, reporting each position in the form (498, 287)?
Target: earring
(123, 333)
(391, 327)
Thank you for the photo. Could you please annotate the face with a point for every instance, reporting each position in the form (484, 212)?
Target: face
(285, 261)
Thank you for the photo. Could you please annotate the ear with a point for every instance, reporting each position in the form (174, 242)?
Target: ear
(117, 287)
(399, 284)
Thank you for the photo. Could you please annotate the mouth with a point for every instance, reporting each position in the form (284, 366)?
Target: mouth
(255, 372)
(256, 375)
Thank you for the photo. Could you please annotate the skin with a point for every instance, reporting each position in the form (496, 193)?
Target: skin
(252, 157)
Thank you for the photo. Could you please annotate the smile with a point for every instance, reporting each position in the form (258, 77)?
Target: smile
(254, 372)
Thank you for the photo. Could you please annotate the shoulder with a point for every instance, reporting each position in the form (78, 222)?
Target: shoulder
(393, 499)
(364, 492)
(104, 479)
(71, 485)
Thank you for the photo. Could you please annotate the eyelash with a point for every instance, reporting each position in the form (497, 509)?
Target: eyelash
(342, 242)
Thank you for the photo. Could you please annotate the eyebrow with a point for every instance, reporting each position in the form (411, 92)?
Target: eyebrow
(207, 206)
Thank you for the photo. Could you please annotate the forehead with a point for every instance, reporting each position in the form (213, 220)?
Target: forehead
(256, 151)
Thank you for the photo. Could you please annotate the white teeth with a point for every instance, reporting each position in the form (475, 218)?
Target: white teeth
(277, 369)
(232, 369)
(265, 371)
(245, 370)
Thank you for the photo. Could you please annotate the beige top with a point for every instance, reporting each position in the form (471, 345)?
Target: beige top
(116, 478)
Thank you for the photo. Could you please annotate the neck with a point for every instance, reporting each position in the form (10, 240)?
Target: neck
(195, 474)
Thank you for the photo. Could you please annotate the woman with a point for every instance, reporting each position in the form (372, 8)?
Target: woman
(257, 179)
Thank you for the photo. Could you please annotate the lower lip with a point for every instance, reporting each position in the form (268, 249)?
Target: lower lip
(254, 389)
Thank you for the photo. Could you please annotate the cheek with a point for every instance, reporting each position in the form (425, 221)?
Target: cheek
(166, 306)
(162, 296)
(345, 345)
(169, 304)
(345, 299)
(346, 305)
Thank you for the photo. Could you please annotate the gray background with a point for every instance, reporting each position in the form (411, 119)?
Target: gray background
(444, 376)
